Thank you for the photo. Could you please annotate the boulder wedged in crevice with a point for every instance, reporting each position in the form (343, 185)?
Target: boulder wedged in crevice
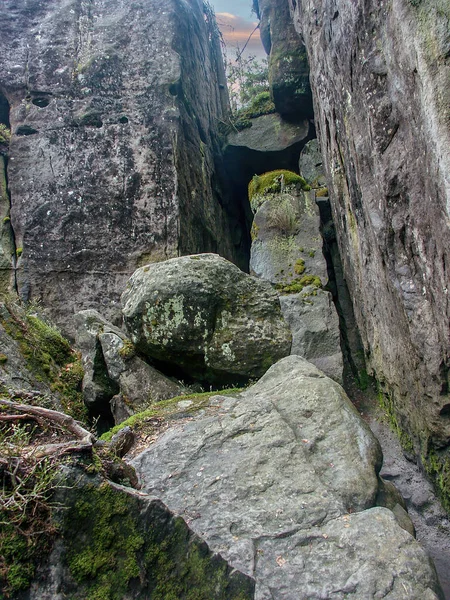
(287, 251)
(282, 479)
(202, 314)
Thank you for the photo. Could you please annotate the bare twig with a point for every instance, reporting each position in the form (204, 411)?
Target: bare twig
(53, 416)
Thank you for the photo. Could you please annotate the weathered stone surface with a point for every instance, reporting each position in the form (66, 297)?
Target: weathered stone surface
(270, 133)
(114, 375)
(383, 124)
(206, 316)
(311, 165)
(114, 542)
(312, 318)
(114, 110)
(287, 251)
(282, 481)
(286, 242)
(288, 61)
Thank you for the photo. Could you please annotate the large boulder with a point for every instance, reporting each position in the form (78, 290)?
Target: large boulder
(282, 481)
(115, 378)
(204, 315)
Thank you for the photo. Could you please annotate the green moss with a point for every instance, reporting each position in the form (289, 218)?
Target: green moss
(299, 266)
(296, 286)
(254, 232)
(275, 182)
(386, 403)
(261, 104)
(3, 358)
(437, 467)
(105, 541)
(18, 556)
(7, 220)
(5, 134)
(322, 192)
(48, 356)
(128, 350)
(112, 550)
(19, 252)
(363, 380)
(167, 408)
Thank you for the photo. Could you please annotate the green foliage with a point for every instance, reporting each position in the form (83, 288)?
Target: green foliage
(19, 252)
(247, 78)
(275, 182)
(5, 134)
(25, 528)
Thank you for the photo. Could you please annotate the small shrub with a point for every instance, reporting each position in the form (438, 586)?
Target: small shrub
(5, 134)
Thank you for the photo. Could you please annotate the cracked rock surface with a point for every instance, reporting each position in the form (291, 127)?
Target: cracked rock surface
(282, 481)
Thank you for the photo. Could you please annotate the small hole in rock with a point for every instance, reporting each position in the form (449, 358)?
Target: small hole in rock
(445, 411)
(26, 130)
(41, 102)
(123, 120)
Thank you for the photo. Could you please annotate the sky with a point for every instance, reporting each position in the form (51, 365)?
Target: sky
(236, 21)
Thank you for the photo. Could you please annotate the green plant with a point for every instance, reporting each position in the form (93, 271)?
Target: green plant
(25, 527)
(297, 286)
(283, 218)
(19, 252)
(5, 134)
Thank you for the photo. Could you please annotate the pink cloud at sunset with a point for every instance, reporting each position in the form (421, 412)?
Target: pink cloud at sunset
(236, 31)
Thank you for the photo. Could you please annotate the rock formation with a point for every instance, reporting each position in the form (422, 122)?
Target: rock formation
(287, 251)
(114, 111)
(203, 315)
(380, 78)
(282, 480)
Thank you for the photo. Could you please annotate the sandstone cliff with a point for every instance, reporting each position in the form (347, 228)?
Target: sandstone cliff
(114, 110)
(380, 78)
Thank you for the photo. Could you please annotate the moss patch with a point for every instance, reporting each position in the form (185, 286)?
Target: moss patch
(261, 104)
(437, 467)
(275, 182)
(116, 548)
(298, 284)
(169, 408)
(48, 356)
(386, 403)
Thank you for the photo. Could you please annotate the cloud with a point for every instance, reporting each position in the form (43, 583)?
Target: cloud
(236, 30)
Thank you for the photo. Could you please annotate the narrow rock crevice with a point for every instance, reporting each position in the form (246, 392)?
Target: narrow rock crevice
(8, 249)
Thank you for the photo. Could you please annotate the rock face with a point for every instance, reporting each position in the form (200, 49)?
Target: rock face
(381, 79)
(204, 315)
(282, 481)
(288, 61)
(115, 379)
(114, 111)
(287, 251)
(114, 542)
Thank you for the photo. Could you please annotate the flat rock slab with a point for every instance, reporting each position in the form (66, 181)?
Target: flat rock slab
(281, 480)
(270, 133)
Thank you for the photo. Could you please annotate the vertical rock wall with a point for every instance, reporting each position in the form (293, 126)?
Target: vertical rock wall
(380, 74)
(114, 111)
